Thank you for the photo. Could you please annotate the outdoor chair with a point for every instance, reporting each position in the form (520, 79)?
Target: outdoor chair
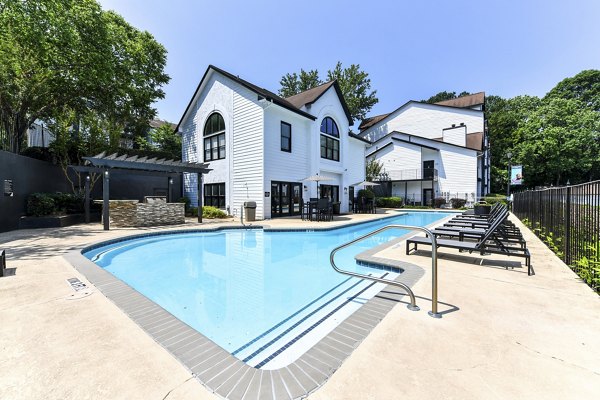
(486, 244)
(500, 234)
(495, 208)
(324, 210)
(310, 210)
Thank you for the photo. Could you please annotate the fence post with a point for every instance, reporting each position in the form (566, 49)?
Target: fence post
(568, 228)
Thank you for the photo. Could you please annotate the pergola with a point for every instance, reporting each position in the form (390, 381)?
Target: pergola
(102, 164)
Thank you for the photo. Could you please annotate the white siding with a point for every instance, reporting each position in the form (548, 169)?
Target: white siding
(282, 165)
(248, 145)
(351, 168)
(457, 135)
(426, 120)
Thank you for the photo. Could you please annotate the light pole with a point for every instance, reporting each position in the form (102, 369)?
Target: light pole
(509, 156)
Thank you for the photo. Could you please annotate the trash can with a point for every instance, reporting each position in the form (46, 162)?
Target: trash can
(250, 210)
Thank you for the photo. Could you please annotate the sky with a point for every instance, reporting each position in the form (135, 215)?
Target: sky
(410, 49)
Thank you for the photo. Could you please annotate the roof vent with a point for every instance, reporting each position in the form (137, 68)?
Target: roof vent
(453, 125)
(462, 124)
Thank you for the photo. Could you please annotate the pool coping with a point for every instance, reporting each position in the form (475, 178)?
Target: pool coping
(218, 370)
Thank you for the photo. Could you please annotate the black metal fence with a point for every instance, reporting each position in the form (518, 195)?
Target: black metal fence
(567, 219)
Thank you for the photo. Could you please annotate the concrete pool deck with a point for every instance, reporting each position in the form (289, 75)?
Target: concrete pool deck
(503, 334)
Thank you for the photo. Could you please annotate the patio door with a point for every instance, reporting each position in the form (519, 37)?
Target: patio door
(286, 199)
(428, 169)
(427, 197)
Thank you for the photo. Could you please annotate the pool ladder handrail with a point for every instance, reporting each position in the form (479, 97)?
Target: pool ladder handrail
(434, 281)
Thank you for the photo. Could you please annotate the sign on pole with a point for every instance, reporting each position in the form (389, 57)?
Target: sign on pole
(516, 175)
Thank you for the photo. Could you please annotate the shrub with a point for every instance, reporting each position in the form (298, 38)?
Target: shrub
(389, 202)
(39, 153)
(193, 212)
(438, 202)
(418, 207)
(495, 199)
(68, 203)
(458, 203)
(212, 212)
(368, 193)
(40, 204)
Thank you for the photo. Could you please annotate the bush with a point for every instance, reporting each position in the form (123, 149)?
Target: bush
(389, 202)
(40, 204)
(367, 193)
(212, 212)
(495, 199)
(418, 207)
(438, 202)
(458, 203)
(39, 153)
(193, 212)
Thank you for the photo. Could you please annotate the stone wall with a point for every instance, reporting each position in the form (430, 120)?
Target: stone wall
(123, 212)
(152, 214)
(131, 213)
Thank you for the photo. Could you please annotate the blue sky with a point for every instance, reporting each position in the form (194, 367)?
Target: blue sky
(411, 49)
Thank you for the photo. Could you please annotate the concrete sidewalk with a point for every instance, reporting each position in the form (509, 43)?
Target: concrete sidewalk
(503, 334)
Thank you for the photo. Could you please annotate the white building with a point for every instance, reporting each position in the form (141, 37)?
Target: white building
(260, 146)
(432, 150)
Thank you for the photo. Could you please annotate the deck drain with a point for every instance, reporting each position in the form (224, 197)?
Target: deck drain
(76, 284)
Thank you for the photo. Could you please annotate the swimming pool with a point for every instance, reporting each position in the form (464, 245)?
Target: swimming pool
(264, 296)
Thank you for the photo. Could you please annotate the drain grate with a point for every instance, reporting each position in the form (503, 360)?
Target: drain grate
(76, 284)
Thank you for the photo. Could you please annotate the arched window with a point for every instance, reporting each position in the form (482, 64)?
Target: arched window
(214, 138)
(330, 147)
(329, 127)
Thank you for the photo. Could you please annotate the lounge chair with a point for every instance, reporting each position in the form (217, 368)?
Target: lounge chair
(487, 244)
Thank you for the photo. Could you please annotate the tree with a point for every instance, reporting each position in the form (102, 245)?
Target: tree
(163, 138)
(504, 117)
(585, 87)
(373, 169)
(354, 84)
(62, 58)
(292, 84)
(560, 142)
(441, 96)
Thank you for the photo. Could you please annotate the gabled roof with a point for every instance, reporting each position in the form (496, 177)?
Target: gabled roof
(369, 122)
(475, 99)
(410, 136)
(308, 97)
(270, 96)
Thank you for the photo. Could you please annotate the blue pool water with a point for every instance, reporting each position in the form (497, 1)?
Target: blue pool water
(251, 291)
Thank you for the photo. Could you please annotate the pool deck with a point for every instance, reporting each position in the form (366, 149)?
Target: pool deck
(503, 334)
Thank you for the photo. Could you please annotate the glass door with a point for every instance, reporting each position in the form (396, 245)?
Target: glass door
(286, 199)
(296, 198)
(275, 204)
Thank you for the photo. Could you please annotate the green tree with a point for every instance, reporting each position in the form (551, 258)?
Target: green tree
(559, 141)
(441, 96)
(354, 83)
(167, 140)
(585, 87)
(65, 58)
(373, 168)
(356, 88)
(504, 117)
(294, 83)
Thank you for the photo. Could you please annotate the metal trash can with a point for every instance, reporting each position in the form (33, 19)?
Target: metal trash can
(250, 210)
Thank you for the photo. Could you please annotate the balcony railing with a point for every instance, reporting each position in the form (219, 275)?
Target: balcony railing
(417, 174)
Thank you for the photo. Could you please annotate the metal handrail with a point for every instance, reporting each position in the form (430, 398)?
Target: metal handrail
(434, 281)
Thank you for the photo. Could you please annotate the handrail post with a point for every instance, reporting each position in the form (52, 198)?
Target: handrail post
(434, 278)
